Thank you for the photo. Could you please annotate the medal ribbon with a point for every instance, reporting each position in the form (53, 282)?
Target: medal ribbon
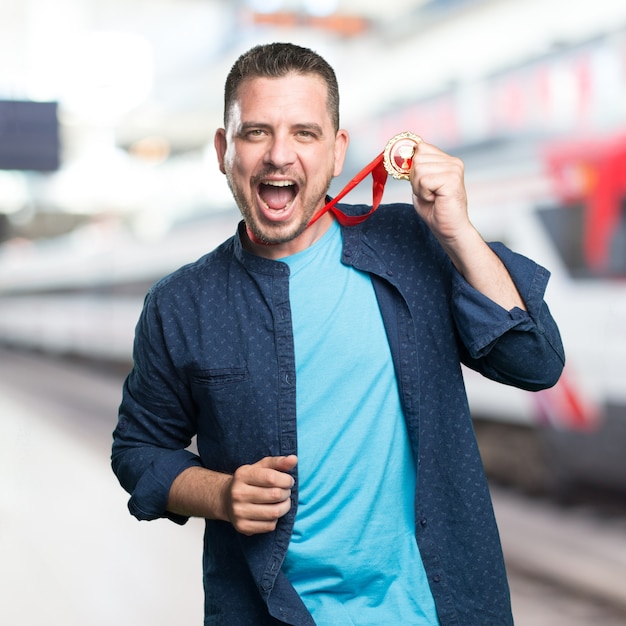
(385, 162)
(379, 177)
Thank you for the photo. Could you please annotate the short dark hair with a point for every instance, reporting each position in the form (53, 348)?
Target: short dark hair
(275, 60)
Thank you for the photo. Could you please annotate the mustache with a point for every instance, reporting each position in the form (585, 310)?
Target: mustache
(269, 171)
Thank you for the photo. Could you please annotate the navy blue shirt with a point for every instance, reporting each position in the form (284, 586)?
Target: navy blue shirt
(214, 358)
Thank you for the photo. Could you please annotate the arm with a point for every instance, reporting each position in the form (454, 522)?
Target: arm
(506, 330)
(439, 197)
(517, 347)
(252, 499)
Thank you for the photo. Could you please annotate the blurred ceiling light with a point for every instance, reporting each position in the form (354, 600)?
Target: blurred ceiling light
(102, 180)
(316, 8)
(151, 149)
(321, 8)
(107, 75)
(14, 192)
(265, 6)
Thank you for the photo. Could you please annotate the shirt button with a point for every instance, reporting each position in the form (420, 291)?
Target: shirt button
(437, 578)
(423, 522)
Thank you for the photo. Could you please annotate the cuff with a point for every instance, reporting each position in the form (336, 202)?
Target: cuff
(481, 321)
(149, 498)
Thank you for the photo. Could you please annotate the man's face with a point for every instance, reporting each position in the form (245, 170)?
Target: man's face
(279, 153)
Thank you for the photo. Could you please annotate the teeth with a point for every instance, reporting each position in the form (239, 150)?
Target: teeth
(279, 183)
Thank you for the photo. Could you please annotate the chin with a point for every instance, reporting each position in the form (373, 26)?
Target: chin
(276, 236)
(279, 232)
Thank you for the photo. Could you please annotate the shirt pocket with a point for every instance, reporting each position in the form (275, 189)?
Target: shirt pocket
(230, 429)
(223, 397)
(219, 378)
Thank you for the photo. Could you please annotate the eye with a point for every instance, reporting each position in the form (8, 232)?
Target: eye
(253, 133)
(306, 135)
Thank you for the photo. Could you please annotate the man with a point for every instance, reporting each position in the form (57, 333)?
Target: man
(319, 366)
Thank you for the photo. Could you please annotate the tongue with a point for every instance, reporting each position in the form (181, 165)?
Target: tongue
(276, 197)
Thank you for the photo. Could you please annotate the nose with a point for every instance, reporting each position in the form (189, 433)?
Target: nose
(280, 152)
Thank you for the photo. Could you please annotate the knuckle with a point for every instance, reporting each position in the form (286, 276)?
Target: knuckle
(269, 477)
(237, 492)
(276, 494)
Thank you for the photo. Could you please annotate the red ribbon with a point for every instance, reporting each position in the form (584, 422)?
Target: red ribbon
(379, 177)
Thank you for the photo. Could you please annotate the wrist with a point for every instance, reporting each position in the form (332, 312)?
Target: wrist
(464, 248)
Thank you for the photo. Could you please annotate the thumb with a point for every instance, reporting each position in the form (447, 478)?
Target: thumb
(280, 463)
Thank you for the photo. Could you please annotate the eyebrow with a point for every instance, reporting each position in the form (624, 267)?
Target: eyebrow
(310, 126)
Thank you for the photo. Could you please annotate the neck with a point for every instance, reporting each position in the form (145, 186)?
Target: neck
(278, 250)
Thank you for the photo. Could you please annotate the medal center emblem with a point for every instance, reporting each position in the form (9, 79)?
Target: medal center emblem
(398, 154)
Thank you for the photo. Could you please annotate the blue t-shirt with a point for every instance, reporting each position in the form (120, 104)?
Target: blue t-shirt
(353, 557)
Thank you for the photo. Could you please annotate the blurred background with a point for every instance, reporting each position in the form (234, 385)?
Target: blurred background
(108, 181)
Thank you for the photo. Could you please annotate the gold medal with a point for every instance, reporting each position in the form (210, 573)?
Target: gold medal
(398, 154)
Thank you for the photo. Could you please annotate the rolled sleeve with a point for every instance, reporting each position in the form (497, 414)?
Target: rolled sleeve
(517, 347)
(149, 497)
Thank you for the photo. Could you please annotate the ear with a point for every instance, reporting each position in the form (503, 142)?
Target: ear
(342, 139)
(219, 142)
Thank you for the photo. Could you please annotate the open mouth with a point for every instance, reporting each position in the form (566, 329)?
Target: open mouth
(277, 194)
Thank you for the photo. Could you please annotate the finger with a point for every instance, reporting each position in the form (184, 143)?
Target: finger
(433, 177)
(260, 511)
(259, 495)
(272, 471)
(262, 520)
(279, 463)
(425, 151)
(249, 518)
(262, 483)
